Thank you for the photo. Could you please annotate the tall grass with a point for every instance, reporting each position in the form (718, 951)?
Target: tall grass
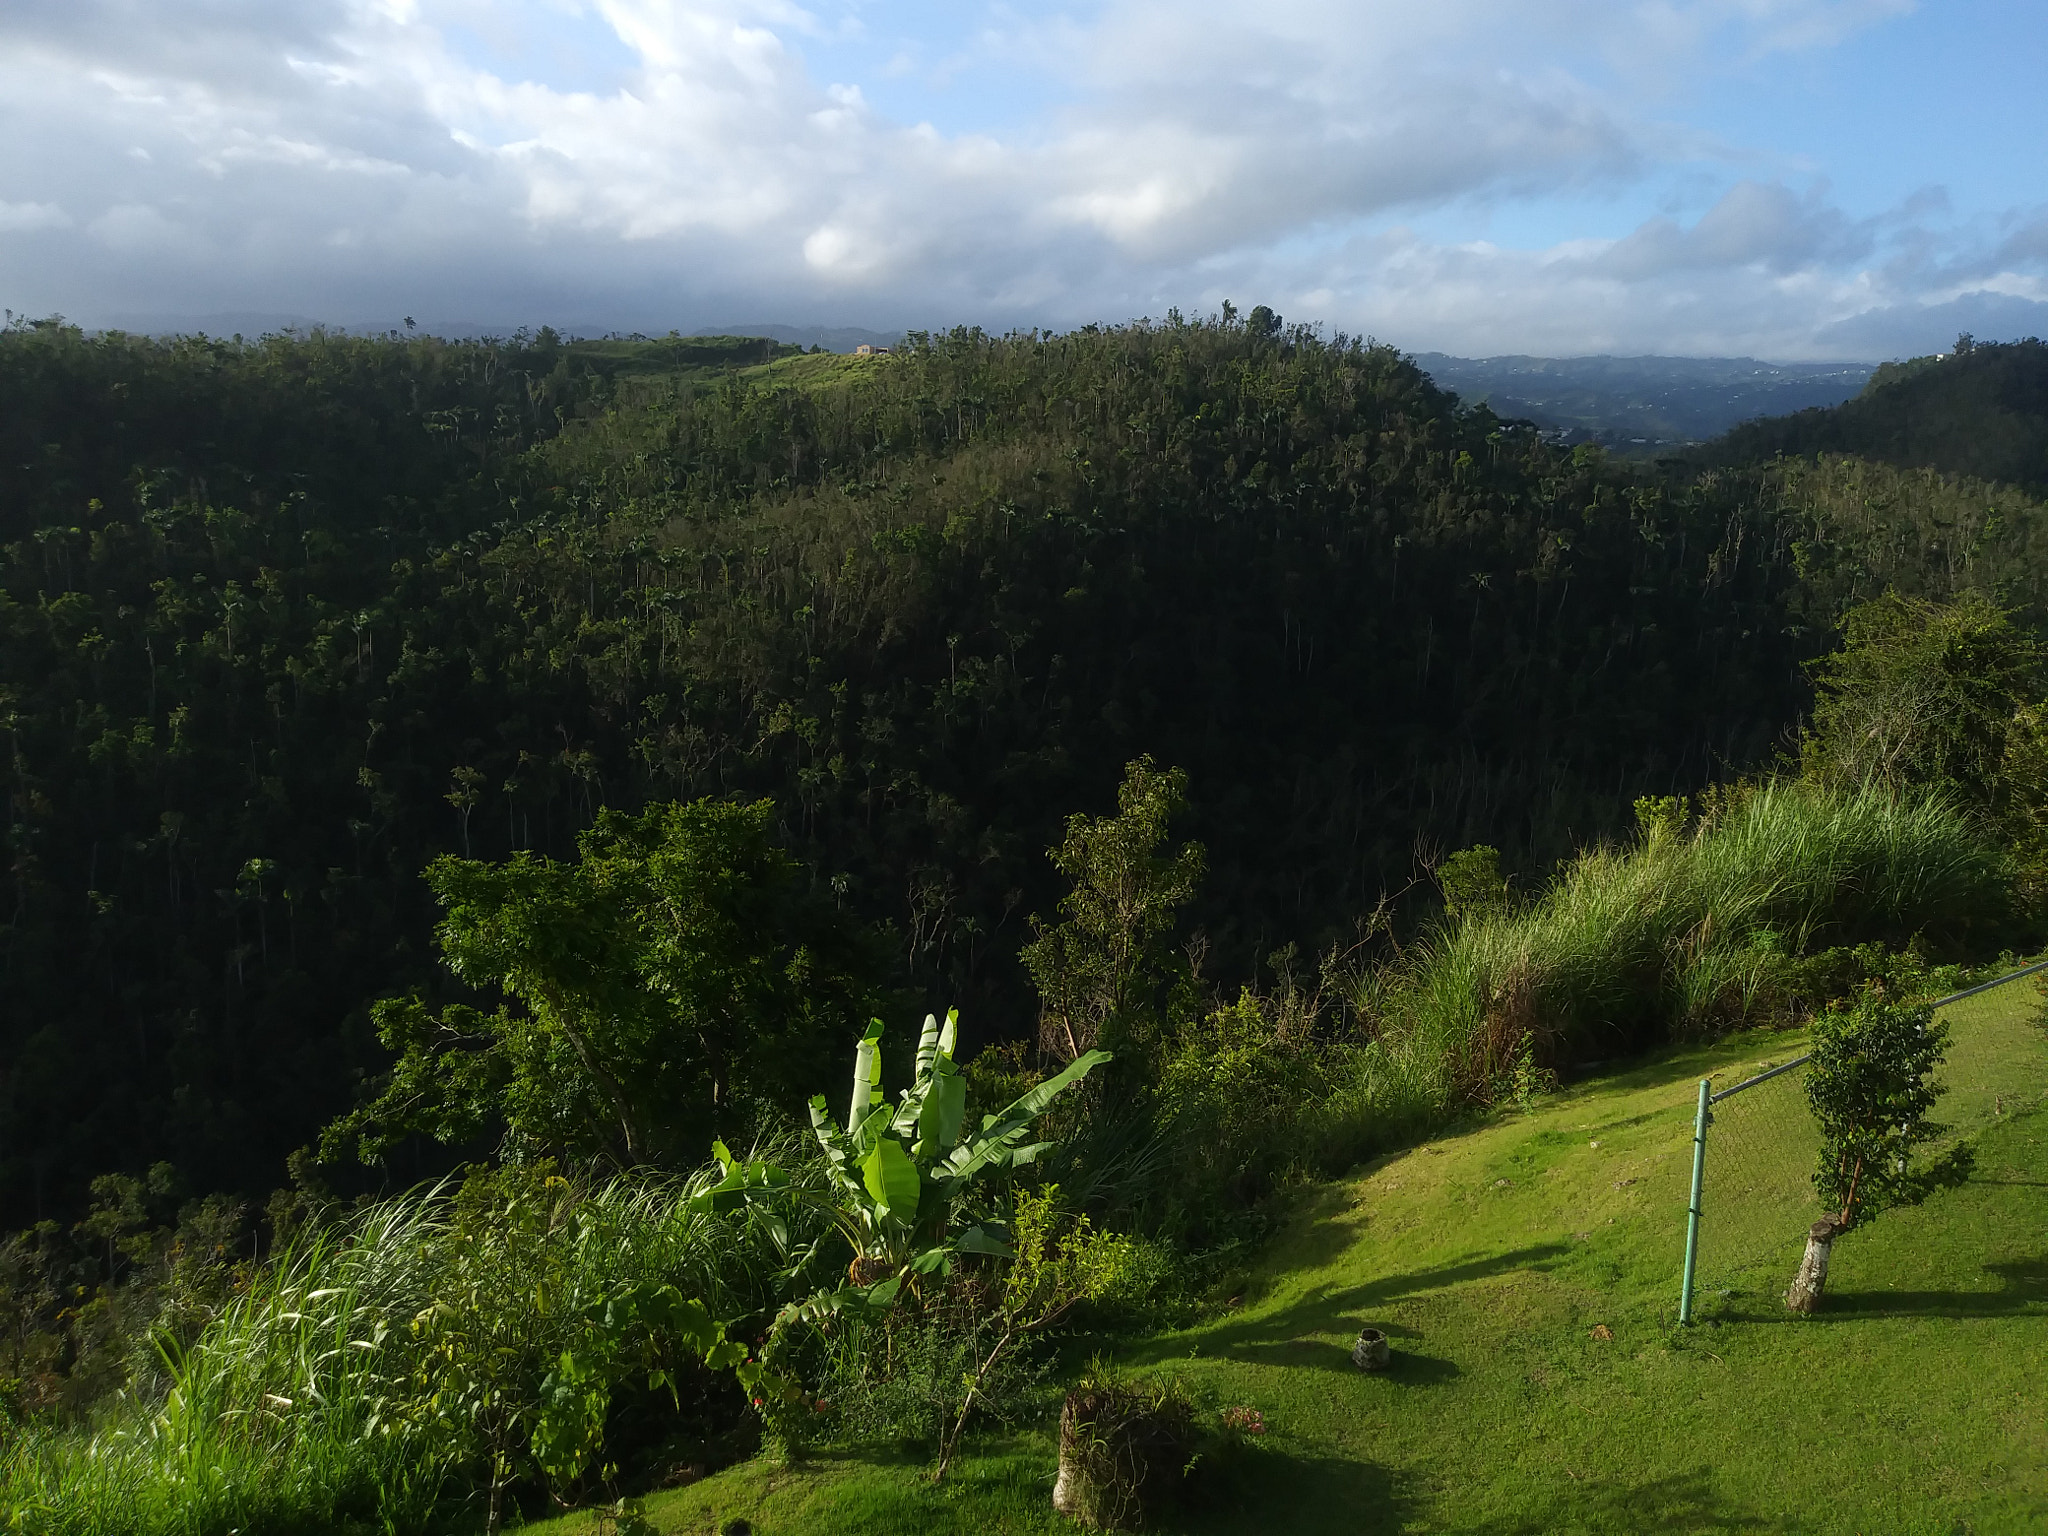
(1740, 917)
(299, 1408)
(1679, 933)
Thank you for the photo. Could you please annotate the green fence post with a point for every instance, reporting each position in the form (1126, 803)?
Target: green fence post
(1692, 1220)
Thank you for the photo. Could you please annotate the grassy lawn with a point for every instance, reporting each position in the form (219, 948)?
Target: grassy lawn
(1915, 1402)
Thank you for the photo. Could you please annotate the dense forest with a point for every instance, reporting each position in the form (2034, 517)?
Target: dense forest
(286, 619)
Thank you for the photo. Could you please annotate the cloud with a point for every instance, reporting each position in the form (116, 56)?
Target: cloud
(27, 216)
(655, 162)
(1917, 330)
(1767, 226)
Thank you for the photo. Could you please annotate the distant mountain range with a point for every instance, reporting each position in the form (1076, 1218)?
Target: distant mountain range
(839, 338)
(1643, 403)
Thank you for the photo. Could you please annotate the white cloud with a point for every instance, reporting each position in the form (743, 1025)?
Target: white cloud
(27, 216)
(363, 158)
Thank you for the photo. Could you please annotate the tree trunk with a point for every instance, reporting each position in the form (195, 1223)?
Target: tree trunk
(1812, 1279)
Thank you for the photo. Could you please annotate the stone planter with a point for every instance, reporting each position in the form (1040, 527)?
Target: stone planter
(1123, 1456)
(1372, 1352)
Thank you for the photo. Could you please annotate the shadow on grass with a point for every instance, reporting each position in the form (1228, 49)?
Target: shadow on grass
(1683, 1502)
(1289, 1336)
(2023, 1284)
(1274, 1490)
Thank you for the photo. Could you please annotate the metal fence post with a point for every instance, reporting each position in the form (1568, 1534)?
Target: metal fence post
(1692, 1221)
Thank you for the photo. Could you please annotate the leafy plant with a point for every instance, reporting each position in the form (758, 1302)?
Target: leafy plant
(907, 1180)
(1871, 1085)
(1059, 1261)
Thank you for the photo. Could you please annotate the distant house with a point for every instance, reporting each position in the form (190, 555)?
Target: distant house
(864, 350)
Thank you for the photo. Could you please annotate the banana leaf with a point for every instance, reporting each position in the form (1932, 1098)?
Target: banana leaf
(867, 1076)
(891, 1177)
(1002, 1135)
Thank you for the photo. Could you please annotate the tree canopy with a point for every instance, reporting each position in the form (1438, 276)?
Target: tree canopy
(677, 975)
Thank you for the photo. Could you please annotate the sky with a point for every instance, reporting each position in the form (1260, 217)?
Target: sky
(1785, 179)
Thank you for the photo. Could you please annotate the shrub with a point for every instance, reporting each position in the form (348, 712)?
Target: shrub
(1239, 1098)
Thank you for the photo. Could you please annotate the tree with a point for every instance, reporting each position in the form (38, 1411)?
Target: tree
(678, 969)
(1870, 1087)
(1100, 969)
(1921, 693)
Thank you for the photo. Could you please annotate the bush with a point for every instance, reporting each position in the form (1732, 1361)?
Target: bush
(1239, 1099)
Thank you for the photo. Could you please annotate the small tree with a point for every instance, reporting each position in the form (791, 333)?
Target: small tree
(1870, 1085)
(1100, 969)
(681, 964)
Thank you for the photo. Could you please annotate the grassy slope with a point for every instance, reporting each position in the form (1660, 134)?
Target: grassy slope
(1913, 1403)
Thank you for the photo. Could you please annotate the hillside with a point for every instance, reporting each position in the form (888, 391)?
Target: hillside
(1500, 1260)
(285, 620)
(1982, 412)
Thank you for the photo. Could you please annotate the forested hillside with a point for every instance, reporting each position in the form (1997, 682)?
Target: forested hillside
(1981, 411)
(284, 620)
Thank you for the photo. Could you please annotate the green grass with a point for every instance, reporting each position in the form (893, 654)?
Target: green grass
(1913, 1403)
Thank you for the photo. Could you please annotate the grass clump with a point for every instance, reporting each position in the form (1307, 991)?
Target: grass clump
(340, 1390)
(1690, 930)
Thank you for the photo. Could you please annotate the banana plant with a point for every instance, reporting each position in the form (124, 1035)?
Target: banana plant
(903, 1176)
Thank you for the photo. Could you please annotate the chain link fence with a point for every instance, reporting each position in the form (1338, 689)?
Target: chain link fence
(1757, 1152)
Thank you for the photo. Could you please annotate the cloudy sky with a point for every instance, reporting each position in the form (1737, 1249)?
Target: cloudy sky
(1781, 178)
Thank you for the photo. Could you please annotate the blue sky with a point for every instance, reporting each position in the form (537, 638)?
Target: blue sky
(1781, 178)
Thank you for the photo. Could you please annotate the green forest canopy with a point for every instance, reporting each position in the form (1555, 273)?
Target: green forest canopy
(286, 620)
